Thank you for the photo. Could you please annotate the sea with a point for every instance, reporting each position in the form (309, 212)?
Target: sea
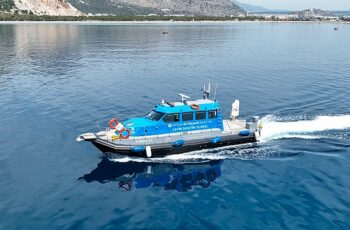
(58, 80)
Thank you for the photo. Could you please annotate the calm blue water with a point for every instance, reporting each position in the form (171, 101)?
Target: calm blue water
(60, 80)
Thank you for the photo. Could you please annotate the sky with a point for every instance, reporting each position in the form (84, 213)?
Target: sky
(301, 4)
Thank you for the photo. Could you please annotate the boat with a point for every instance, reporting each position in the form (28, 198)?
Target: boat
(175, 128)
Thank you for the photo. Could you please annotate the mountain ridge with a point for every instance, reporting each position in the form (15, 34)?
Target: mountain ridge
(124, 7)
(251, 8)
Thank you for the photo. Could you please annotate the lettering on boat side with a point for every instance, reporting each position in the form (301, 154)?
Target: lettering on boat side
(187, 126)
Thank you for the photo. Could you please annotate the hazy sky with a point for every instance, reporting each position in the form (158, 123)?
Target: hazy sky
(301, 4)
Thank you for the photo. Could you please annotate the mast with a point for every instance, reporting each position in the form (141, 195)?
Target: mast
(206, 91)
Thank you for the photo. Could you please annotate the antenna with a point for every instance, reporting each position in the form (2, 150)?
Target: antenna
(206, 92)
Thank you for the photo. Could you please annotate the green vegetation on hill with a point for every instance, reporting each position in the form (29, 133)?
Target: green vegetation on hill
(159, 7)
(110, 7)
(6, 5)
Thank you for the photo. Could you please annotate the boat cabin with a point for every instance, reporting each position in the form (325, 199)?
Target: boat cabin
(175, 117)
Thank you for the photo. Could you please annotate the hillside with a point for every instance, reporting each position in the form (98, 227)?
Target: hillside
(309, 13)
(111, 7)
(123, 7)
(142, 7)
(6, 5)
(47, 7)
(251, 8)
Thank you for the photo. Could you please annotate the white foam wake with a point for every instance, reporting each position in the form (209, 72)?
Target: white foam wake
(241, 152)
(273, 129)
(303, 128)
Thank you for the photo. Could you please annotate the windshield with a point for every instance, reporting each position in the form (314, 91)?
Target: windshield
(154, 115)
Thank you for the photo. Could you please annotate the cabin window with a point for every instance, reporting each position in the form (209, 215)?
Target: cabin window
(200, 115)
(212, 114)
(171, 117)
(187, 116)
(154, 115)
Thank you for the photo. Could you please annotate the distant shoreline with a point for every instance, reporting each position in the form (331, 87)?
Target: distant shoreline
(171, 22)
(7, 17)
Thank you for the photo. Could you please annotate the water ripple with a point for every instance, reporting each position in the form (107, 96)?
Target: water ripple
(61, 79)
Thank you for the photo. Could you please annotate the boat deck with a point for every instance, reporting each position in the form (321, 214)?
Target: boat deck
(234, 126)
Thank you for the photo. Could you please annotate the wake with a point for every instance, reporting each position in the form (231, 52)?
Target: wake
(273, 129)
(303, 128)
(239, 152)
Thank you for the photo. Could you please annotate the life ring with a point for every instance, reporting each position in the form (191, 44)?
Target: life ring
(113, 123)
(195, 107)
(122, 135)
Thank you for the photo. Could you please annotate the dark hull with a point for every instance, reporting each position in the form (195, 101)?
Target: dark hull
(162, 150)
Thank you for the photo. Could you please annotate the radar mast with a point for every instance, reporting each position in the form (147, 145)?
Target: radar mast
(206, 91)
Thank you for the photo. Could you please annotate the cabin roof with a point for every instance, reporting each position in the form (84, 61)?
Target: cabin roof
(177, 107)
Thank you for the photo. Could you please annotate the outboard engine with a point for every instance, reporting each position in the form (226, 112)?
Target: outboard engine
(255, 126)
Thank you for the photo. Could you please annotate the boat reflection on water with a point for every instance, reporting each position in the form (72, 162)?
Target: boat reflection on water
(138, 175)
